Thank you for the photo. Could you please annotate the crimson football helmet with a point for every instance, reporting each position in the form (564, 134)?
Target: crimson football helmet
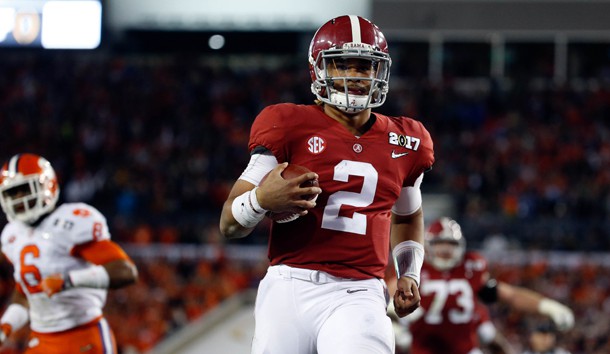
(445, 244)
(28, 188)
(334, 44)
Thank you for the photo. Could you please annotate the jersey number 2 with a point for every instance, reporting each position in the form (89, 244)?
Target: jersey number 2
(357, 223)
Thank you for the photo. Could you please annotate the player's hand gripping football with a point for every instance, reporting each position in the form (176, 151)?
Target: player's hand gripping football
(286, 195)
(53, 284)
(406, 297)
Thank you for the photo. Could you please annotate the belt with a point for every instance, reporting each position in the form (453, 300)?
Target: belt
(314, 276)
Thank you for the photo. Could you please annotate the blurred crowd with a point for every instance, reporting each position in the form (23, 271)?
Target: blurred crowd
(585, 288)
(155, 141)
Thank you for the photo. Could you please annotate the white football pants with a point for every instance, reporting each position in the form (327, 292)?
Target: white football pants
(301, 311)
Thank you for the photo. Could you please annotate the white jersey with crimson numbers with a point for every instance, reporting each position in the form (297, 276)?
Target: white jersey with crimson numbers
(45, 249)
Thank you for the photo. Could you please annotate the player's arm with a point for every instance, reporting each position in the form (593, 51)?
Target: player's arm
(247, 204)
(500, 345)
(16, 315)
(407, 242)
(529, 301)
(248, 215)
(111, 268)
(488, 334)
(493, 340)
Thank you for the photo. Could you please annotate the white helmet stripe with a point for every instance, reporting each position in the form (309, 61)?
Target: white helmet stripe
(12, 165)
(356, 37)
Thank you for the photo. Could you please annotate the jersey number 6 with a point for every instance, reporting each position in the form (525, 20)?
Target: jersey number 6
(30, 274)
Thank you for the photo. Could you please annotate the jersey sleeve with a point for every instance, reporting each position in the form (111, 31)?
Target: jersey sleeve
(425, 153)
(100, 252)
(4, 239)
(7, 238)
(87, 224)
(270, 129)
(478, 266)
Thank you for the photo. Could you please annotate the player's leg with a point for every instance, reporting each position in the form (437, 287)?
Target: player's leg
(92, 338)
(278, 328)
(358, 324)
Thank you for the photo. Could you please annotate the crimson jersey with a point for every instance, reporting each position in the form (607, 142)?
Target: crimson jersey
(347, 233)
(451, 308)
(481, 314)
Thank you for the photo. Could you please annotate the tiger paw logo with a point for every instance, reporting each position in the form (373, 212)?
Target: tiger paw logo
(81, 212)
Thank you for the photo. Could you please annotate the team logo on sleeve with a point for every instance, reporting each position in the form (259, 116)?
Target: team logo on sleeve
(316, 145)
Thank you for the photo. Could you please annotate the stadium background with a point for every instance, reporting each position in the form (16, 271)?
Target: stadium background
(151, 127)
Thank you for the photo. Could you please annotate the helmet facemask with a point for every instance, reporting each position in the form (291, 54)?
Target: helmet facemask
(444, 254)
(351, 90)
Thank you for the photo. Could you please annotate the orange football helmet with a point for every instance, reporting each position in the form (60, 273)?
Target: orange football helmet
(28, 188)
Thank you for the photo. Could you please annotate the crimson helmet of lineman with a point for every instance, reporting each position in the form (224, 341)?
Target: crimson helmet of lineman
(28, 188)
(341, 39)
(445, 244)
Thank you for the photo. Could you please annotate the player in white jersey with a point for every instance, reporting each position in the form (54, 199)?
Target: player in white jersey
(63, 261)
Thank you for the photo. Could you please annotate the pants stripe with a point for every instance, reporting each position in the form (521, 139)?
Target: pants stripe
(106, 336)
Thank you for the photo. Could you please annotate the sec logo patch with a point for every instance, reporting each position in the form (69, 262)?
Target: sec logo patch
(316, 145)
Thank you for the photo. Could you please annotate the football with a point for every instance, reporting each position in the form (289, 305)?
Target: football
(292, 171)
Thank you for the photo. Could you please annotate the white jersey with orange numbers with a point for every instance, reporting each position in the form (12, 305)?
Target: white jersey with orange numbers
(39, 251)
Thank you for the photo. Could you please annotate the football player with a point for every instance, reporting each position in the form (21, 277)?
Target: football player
(324, 290)
(64, 262)
(454, 282)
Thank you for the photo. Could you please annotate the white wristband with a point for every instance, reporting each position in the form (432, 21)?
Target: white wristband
(246, 209)
(254, 202)
(15, 315)
(408, 259)
(93, 277)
